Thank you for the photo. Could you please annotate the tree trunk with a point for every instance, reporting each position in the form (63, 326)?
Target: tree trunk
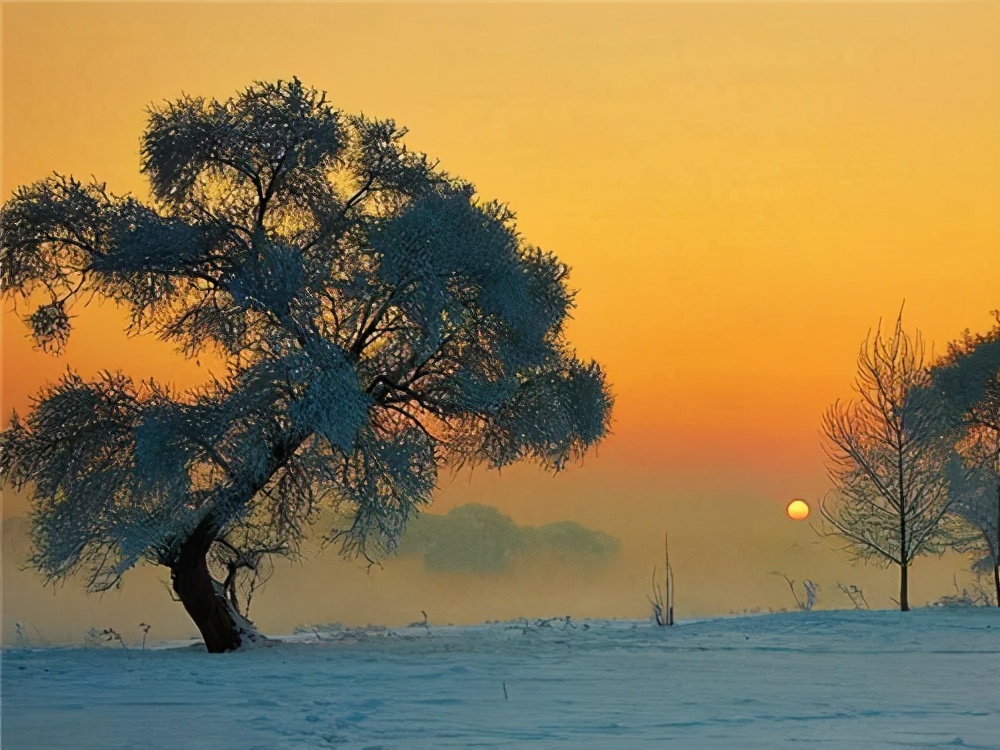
(200, 596)
(995, 542)
(904, 601)
(904, 568)
(996, 581)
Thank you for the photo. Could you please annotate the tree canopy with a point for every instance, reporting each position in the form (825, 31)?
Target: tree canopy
(379, 321)
(965, 383)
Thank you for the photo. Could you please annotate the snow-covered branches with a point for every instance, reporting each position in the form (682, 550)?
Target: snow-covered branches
(94, 508)
(966, 384)
(264, 141)
(379, 321)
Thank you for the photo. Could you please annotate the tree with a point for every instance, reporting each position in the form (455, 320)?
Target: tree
(379, 322)
(965, 382)
(890, 494)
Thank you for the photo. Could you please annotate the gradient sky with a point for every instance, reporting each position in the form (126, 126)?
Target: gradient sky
(741, 191)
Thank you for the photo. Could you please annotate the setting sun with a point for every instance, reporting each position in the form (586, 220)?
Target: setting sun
(798, 510)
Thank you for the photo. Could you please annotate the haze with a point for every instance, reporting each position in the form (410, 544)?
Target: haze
(741, 192)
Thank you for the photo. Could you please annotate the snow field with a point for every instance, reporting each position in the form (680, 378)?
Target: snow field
(925, 679)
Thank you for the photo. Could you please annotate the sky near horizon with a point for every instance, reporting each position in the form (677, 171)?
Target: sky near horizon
(741, 191)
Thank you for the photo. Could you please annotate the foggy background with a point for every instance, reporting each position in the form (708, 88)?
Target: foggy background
(718, 570)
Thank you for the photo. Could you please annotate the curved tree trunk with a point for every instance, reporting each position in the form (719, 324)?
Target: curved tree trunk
(222, 627)
(201, 596)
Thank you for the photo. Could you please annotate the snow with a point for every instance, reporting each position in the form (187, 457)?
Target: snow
(924, 679)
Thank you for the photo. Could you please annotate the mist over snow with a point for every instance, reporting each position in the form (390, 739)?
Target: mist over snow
(551, 581)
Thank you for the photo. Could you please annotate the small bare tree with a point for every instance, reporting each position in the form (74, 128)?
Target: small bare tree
(885, 463)
(663, 592)
(810, 593)
(855, 594)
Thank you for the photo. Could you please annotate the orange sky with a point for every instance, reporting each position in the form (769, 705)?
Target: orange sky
(741, 191)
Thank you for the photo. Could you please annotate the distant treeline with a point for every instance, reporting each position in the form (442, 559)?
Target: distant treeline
(480, 539)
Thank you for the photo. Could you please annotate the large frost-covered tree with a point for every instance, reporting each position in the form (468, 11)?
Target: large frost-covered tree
(890, 494)
(379, 321)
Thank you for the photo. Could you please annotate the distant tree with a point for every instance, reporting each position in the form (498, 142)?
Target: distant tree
(477, 538)
(965, 384)
(890, 494)
(379, 322)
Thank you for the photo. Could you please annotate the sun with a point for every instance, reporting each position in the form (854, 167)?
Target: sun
(798, 510)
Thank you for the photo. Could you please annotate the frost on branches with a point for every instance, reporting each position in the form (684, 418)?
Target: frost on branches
(890, 500)
(966, 383)
(379, 322)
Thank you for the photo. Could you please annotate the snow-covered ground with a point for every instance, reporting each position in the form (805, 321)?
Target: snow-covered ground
(926, 679)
